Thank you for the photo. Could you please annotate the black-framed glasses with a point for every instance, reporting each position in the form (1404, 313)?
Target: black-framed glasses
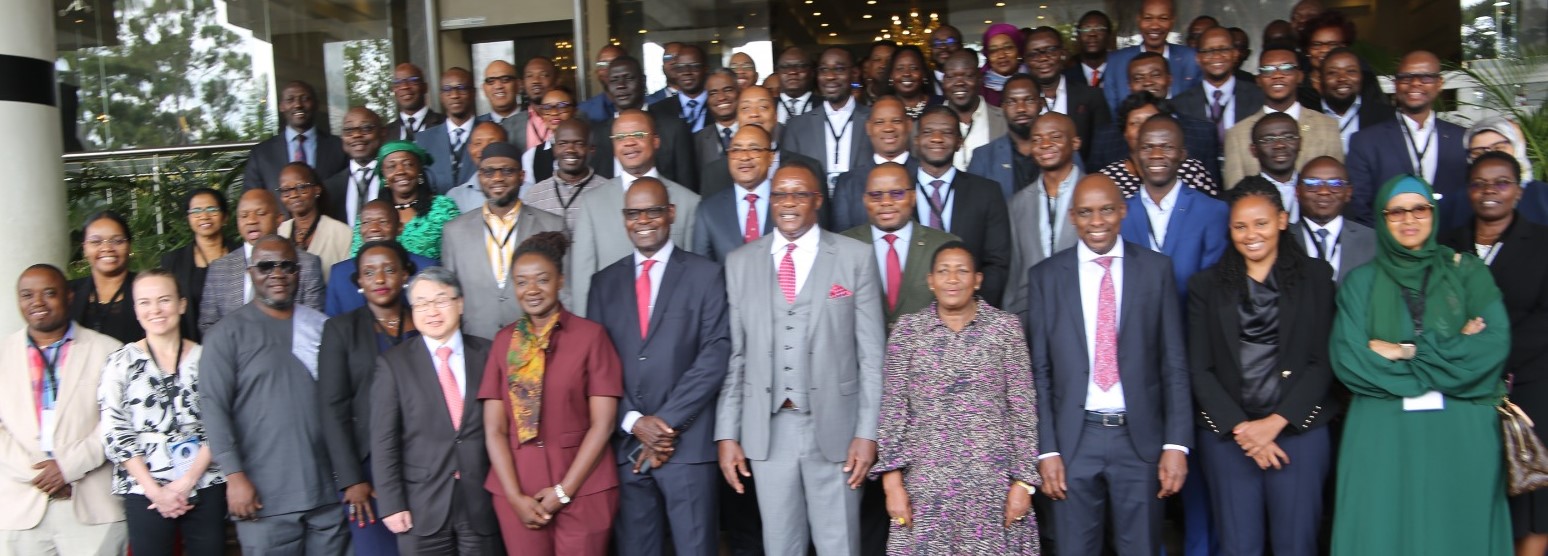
(799, 197)
(1430, 78)
(267, 268)
(1420, 212)
(1270, 70)
(1325, 44)
(212, 209)
(1270, 140)
(456, 88)
(893, 194)
(1325, 183)
(1499, 185)
(555, 106)
(943, 43)
(442, 302)
(366, 129)
(501, 79)
(406, 81)
(508, 171)
(652, 213)
(297, 188)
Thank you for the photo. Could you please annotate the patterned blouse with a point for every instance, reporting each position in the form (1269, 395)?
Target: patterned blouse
(422, 235)
(145, 413)
(1191, 173)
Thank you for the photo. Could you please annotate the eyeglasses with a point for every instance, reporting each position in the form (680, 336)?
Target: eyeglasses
(601, 64)
(367, 129)
(1216, 52)
(1320, 183)
(115, 241)
(1422, 78)
(651, 213)
(501, 79)
(1325, 44)
(793, 68)
(1476, 152)
(508, 172)
(1270, 140)
(267, 268)
(442, 302)
(1500, 185)
(1048, 52)
(622, 79)
(1090, 30)
(1269, 71)
(631, 135)
(406, 81)
(799, 197)
(742, 67)
(297, 188)
(943, 43)
(1420, 212)
(738, 152)
(692, 66)
(893, 194)
(555, 107)
(194, 211)
(455, 88)
(832, 70)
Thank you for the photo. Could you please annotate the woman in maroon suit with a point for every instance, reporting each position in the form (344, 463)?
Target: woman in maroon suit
(551, 394)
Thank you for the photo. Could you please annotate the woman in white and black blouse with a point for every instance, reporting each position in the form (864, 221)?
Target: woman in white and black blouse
(153, 433)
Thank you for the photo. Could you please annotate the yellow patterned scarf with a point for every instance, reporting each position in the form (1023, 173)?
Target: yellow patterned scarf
(525, 382)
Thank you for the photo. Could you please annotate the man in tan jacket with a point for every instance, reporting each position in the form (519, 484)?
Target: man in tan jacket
(1280, 78)
(55, 482)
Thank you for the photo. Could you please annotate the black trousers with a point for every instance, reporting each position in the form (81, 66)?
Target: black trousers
(203, 528)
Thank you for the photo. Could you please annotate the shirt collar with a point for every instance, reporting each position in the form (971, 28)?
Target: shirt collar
(69, 335)
(1084, 254)
(806, 243)
(466, 127)
(683, 98)
(1334, 226)
(455, 343)
(1294, 111)
(761, 190)
(733, 127)
(905, 234)
(310, 134)
(847, 108)
(1419, 127)
(626, 179)
(948, 177)
(1066, 187)
(355, 166)
(1293, 179)
(901, 159)
(784, 98)
(661, 257)
(419, 117)
(509, 216)
(1227, 90)
(1350, 113)
(1168, 201)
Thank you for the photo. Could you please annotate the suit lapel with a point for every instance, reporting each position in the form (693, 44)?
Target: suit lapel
(20, 408)
(425, 377)
(1071, 283)
(1174, 225)
(917, 266)
(473, 365)
(820, 277)
(1230, 325)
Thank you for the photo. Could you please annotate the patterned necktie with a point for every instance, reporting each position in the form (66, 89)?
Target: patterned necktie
(725, 139)
(1050, 97)
(693, 115)
(642, 296)
(1105, 371)
(894, 272)
(1096, 78)
(449, 385)
(751, 229)
(1322, 245)
(300, 154)
(456, 154)
(408, 128)
(787, 278)
(937, 204)
(1217, 113)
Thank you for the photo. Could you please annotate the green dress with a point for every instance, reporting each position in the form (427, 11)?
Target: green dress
(1421, 482)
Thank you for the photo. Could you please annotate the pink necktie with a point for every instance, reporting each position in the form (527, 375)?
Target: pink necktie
(1105, 373)
(787, 280)
(751, 228)
(300, 154)
(642, 296)
(894, 272)
(937, 204)
(449, 385)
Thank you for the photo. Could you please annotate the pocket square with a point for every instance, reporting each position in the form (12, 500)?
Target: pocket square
(838, 291)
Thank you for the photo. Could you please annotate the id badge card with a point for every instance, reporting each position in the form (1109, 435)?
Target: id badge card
(46, 432)
(182, 455)
(1429, 401)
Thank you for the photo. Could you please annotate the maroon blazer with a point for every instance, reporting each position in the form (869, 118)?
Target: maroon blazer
(581, 363)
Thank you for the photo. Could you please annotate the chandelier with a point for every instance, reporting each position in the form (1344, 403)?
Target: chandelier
(915, 31)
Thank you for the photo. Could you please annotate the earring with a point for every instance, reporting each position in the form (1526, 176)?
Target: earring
(360, 291)
(421, 180)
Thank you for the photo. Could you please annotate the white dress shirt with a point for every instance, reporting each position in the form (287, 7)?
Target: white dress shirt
(247, 280)
(788, 103)
(1422, 145)
(924, 209)
(626, 179)
(975, 134)
(1227, 94)
(419, 121)
(1335, 243)
(879, 159)
(352, 199)
(1061, 103)
(1287, 193)
(657, 272)
(1110, 401)
(804, 255)
(842, 122)
(458, 366)
(1294, 111)
(879, 244)
(1160, 213)
(1348, 122)
(762, 191)
(1086, 71)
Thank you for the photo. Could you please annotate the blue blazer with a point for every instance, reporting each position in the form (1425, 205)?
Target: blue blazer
(434, 141)
(344, 295)
(717, 229)
(1183, 62)
(1152, 354)
(676, 371)
(597, 108)
(996, 160)
(1196, 235)
(1199, 138)
(1379, 152)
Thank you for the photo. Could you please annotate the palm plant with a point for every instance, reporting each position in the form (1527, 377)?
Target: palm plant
(1502, 88)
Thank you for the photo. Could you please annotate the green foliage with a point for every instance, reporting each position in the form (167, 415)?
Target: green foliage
(1503, 84)
(368, 70)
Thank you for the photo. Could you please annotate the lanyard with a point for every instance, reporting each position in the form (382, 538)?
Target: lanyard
(940, 210)
(295, 232)
(1488, 256)
(839, 135)
(564, 204)
(49, 388)
(1414, 150)
(169, 384)
(502, 273)
(1332, 252)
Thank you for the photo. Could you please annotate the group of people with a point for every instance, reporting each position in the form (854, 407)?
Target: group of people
(954, 309)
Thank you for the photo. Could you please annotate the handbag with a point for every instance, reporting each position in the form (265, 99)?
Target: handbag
(1526, 460)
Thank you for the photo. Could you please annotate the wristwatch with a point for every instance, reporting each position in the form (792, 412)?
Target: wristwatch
(559, 491)
(1409, 349)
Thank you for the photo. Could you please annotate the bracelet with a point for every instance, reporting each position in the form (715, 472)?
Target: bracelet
(1031, 490)
(1409, 350)
(559, 492)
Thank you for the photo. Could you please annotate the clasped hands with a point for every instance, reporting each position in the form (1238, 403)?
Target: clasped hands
(658, 441)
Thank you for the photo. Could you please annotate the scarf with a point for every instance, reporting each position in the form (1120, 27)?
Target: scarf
(524, 383)
(1429, 270)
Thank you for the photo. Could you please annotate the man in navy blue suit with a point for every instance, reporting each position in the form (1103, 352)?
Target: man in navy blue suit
(1156, 18)
(665, 310)
(736, 216)
(450, 163)
(1415, 143)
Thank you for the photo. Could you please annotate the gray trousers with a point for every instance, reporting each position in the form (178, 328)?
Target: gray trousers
(316, 532)
(802, 496)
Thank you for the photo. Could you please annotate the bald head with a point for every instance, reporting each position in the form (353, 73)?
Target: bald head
(745, 69)
(500, 82)
(363, 134)
(484, 133)
(755, 106)
(1097, 210)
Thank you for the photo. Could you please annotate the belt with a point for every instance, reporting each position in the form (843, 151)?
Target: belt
(1107, 419)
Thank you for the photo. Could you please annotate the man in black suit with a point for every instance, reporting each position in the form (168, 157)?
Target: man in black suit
(968, 206)
(755, 107)
(427, 434)
(1415, 143)
(674, 160)
(835, 133)
(1220, 97)
(298, 141)
(710, 143)
(1094, 35)
(888, 127)
(794, 71)
(1084, 104)
(667, 307)
(1116, 419)
(408, 93)
(354, 186)
(1343, 98)
(687, 72)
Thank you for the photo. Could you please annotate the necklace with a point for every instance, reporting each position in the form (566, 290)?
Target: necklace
(917, 109)
(405, 206)
(388, 322)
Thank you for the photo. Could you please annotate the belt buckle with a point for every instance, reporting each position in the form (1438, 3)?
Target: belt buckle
(1112, 419)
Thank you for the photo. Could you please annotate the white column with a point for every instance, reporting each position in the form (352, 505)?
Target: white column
(35, 227)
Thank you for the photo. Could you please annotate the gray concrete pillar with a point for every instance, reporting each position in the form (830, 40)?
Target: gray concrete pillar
(34, 228)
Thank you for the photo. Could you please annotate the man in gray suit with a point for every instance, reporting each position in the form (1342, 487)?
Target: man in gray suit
(1039, 214)
(480, 244)
(834, 134)
(1323, 190)
(226, 287)
(980, 122)
(599, 235)
(801, 397)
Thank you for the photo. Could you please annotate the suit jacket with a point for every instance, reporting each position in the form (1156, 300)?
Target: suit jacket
(432, 119)
(676, 370)
(1356, 245)
(1194, 102)
(1380, 152)
(848, 199)
(190, 281)
(845, 333)
(597, 108)
(996, 161)
(717, 228)
(1181, 60)
(1521, 272)
(706, 144)
(463, 251)
(674, 158)
(914, 293)
(978, 216)
(224, 291)
(1319, 137)
(417, 456)
(335, 195)
(266, 160)
(1196, 234)
(435, 141)
(1152, 358)
(515, 129)
(716, 174)
(808, 135)
(1088, 108)
(1199, 137)
(346, 367)
(1027, 213)
(78, 447)
(600, 237)
(1306, 385)
(674, 110)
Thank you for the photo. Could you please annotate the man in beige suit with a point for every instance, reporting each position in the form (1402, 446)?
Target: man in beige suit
(54, 477)
(1280, 77)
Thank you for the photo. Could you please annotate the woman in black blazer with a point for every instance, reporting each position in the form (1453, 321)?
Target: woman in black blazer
(346, 362)
(1258, 347)
(1512, 246)
(206, 212)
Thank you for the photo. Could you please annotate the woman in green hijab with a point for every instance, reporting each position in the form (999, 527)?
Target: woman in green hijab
(1421, 469)
(422, 213)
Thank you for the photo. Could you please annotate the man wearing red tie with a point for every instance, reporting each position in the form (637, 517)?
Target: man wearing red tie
(427, 430)
(903, 250)
(738, 215)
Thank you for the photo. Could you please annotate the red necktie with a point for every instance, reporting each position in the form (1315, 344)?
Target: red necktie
(300, 154)
(449, 385)
(787, 279)
(1105, 371)
(894, 272)
(751, 228)
(642, 296)
(1096, 78)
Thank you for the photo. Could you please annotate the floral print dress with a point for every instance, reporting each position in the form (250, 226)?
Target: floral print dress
(148, 413)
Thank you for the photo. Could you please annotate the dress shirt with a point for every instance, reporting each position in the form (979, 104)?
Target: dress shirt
(1160, 213)
(657, 272)
(923, 207)
(419, 121)
(626, 179)
(45, 398)
(1061, 102)
(1110, 401)
(1086, 71)
(459, 368)
(352, 198)
(788, 103)
(247, 280)
(1348, 122)
(804, 255)
(1049, 231)
(1422, 144)
(879, 244)
(309, 147)
(1227, 94)
(1294, 111)
(696, 117)
(1335, 228)
(500, 241)
(496, 117)
(974, 135)
(842, 121)
(451, 132)
(762, 191)
(720, 133)
(1287, 193)
(879, 159)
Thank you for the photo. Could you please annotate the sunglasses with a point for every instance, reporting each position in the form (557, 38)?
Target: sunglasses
(268, 267)
(893, 194)
(1269, 71)
(1319, 183)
